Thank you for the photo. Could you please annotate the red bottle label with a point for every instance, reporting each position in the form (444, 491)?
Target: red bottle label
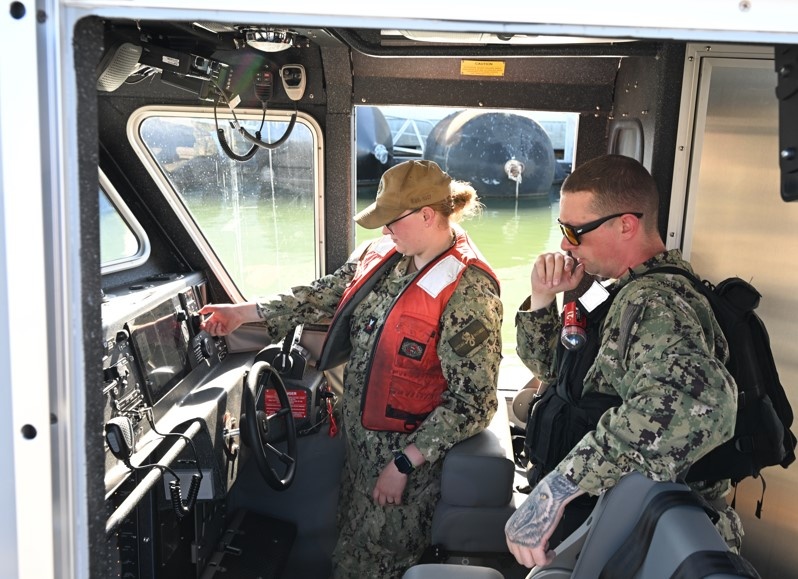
(572, 316)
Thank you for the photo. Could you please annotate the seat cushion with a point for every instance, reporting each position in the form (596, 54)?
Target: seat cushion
(477, 491)
(471, 529)
(479, 471)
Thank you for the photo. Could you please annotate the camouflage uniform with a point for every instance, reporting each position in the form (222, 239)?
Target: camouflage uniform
(679, 401)
(377, 541)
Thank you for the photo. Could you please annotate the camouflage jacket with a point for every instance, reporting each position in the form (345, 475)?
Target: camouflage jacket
(470, 400)
(679, 401)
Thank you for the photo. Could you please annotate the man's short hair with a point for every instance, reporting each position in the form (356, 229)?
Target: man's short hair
(618, 183)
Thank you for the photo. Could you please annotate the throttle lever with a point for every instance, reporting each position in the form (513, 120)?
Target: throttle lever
(283, 361)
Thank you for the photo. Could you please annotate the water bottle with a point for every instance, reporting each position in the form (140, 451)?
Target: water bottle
(574, 322)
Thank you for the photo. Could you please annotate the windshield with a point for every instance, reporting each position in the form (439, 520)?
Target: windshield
(259, 216)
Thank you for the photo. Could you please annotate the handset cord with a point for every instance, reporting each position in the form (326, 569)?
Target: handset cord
(255, 140)
(220, 132)
(181, 509)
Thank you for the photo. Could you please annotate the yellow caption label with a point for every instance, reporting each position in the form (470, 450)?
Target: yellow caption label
(482, 67)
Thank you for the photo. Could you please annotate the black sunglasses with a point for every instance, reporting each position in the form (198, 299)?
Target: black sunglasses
(572, 232)
(388, 225)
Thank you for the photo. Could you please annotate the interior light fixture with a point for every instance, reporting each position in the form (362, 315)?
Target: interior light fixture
(487, 38)
(269, 39)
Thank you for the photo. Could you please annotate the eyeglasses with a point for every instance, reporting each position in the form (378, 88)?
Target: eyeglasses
(388, 225)
(572, 232)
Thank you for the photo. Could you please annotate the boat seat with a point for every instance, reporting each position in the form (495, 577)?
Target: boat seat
(616, 536)
(641, 529)
(443, 571)
(477, 491)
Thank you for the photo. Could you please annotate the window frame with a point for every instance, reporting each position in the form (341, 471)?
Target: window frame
(143, 254)
(182, 211)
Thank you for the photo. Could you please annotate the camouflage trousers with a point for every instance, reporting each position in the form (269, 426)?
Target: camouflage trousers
(382, 542)
(730, 528)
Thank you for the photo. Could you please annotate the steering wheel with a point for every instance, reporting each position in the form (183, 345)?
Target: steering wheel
(262, 429)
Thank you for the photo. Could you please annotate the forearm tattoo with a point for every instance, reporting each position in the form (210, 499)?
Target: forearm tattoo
(537, 515)
(261, 311)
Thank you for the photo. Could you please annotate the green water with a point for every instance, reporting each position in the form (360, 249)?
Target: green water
(511, 238)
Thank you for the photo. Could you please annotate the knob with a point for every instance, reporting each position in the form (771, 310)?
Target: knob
(206, 347)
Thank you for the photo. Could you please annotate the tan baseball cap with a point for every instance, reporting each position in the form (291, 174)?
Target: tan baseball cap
(408, 185)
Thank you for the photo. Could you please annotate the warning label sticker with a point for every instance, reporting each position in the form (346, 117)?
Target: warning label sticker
(482, 67)
(298, 399)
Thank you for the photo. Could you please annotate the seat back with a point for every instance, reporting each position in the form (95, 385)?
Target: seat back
(647, 529)
(477, 491)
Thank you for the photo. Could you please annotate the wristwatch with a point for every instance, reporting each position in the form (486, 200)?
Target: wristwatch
(402, 463)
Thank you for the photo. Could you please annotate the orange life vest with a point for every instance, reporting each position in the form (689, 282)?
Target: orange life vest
(404, 380)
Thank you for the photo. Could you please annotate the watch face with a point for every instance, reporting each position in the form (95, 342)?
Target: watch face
(403, 463)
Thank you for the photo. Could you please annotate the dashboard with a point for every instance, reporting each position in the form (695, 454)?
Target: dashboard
(174, 404)
(172, 401)
(152, 341)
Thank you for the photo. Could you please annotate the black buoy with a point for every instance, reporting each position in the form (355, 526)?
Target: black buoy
(374, 146)
(501, 154)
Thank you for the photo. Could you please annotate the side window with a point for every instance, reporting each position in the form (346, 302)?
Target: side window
(123, 243)
(254, 207)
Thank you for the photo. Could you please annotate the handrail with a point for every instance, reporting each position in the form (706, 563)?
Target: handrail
(135, 497)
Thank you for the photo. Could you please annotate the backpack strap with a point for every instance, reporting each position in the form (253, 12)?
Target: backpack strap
(704, 563)
(698, 282)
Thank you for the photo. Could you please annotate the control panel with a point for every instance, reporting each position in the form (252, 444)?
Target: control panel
(153, 341)
(122, 387)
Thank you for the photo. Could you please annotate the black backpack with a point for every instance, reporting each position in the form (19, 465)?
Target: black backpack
(762, 435)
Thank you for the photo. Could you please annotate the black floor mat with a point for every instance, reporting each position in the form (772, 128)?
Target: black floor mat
(254, 546)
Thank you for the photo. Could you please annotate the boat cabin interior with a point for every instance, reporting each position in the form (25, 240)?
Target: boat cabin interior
(219, 157)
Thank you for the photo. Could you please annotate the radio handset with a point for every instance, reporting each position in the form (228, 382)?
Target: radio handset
(293, 77)
(121, 438)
